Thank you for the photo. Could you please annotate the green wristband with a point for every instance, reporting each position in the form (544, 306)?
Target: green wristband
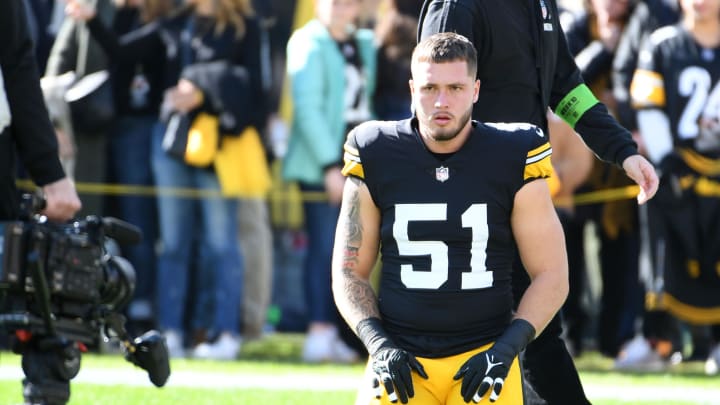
(575, 103)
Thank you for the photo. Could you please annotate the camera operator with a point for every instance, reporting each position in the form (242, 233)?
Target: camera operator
(25, 125)
(52, 321)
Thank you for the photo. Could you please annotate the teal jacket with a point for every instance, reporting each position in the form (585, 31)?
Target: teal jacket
(315, 68)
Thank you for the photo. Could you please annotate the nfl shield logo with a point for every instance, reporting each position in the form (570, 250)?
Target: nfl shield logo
(442, 173)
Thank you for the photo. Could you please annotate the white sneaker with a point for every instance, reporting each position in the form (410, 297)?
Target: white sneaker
(318, 346)
(637, 355)
(140, 310)
(325, 346)
(226, 347)
(712, 364)
(174, 342)
(342, 353)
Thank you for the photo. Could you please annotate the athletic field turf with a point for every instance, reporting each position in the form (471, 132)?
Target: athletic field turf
(268, 373)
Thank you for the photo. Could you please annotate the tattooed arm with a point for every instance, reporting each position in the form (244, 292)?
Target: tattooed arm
(357, 239)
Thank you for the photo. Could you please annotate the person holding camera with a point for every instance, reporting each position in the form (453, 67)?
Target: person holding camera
(25, 124)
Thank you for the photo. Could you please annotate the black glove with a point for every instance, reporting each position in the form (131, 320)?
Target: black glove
(488, 369)
(392, 366)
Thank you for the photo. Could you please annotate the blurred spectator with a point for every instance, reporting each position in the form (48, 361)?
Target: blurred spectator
(646, 17)
(44, 19)
(675, 89)
(331, 68)
(137, 88)
(395, 33)
(593, 39)
(286, 311)
(660, 331)
(74, 50)
(254, 231)
(204, 43)
(367, 18)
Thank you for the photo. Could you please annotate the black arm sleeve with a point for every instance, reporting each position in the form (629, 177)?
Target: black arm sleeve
(441, 16)
(600, 131)
(604, 135)
(566, 76)
(453, 16)
(30, 130)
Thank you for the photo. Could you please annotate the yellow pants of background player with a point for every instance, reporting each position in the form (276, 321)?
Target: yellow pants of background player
(440, 388)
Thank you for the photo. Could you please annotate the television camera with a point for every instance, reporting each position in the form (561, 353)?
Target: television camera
(60, 289)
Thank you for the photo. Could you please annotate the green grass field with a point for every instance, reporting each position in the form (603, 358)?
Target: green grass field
(276, 359)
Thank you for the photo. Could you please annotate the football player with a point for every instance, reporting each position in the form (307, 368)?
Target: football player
(677, 91)
(447, 201)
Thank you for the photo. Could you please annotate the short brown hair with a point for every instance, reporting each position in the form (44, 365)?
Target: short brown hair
(446, 47)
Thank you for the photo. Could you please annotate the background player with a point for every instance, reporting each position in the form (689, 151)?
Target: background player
(676, 88)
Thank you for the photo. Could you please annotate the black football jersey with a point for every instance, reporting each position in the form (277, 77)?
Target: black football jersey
(678, 76)
(446, 243)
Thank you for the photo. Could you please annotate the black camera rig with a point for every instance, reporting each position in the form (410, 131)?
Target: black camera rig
(60, 289)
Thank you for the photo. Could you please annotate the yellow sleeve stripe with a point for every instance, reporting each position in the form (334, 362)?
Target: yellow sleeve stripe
(353, 169)
(539, 153)
(538, 163)
(353, 166)
(647, 89)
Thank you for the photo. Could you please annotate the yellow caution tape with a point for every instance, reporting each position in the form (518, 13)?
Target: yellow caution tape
(593, 197)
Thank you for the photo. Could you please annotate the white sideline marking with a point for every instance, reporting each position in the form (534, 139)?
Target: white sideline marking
(325, 382)
(137, 377)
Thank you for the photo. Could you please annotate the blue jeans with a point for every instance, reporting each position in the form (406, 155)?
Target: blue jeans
(129, 163)
(209, 222)
(320, 222)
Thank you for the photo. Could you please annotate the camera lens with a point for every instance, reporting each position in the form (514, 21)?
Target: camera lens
(119, 283)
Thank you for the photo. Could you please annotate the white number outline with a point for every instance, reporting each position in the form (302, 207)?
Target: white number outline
(694, 83)
(475, 218)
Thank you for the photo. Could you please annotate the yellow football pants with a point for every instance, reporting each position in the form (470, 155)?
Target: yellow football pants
(440, 388)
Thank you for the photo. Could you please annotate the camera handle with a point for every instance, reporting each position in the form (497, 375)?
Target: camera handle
(49, 363)
(42, 293)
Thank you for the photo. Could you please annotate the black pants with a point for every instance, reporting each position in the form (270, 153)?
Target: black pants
(548, 366)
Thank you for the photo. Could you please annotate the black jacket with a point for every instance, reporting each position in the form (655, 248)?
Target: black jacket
(524, 66)
(215, 58)
(30, 132)
(127, 19)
